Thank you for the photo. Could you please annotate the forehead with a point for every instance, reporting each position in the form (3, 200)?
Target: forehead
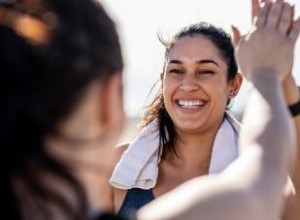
(195, 48)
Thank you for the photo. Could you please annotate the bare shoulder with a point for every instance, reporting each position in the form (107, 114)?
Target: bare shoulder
(119, 196)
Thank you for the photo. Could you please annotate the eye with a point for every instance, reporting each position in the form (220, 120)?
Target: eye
(176, 71)
(206, 72)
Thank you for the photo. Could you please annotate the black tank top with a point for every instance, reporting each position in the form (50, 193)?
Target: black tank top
(135, 198)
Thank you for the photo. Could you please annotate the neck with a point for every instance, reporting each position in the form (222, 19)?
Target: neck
(194, 149)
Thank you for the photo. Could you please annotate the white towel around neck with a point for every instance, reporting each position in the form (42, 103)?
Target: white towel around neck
(138, 166)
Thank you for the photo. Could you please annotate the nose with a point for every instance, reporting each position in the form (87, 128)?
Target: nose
(189, 83)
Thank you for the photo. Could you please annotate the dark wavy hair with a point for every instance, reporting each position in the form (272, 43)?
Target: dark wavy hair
(156, 109)
(51, 51)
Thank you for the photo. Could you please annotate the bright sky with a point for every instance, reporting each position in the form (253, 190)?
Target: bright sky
(139, 21)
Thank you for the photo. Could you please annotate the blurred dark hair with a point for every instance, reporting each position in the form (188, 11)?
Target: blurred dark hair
(156, 110)
(46, 64)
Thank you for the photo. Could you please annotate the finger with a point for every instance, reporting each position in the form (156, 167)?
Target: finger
(254, 8)
(261, 18)
(274, 14)
(285, 20)
(293, 12)
(265, 1)
(292, 18)
(294, 33)
(236, 35)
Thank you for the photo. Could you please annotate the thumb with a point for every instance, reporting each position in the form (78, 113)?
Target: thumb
(236, 35)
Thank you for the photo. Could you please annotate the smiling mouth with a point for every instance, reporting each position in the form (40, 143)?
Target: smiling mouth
(191, 104)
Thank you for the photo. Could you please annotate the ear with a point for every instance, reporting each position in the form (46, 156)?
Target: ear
(235, 85)
(112, 114)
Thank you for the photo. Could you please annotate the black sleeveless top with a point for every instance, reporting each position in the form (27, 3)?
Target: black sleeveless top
(135, 198)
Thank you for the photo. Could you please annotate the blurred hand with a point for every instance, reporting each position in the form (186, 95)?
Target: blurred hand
(269, 46)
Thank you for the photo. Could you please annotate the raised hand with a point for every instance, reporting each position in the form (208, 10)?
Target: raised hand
(291, 92)
(255, 4)
(272, 29)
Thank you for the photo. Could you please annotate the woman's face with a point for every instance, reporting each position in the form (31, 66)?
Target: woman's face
(195, 86)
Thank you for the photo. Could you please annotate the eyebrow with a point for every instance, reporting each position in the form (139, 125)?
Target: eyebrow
(199, 62)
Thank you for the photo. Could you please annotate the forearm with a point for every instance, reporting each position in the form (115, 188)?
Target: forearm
(295, 174)
(269, 127)
(292, 96)
(266, 119)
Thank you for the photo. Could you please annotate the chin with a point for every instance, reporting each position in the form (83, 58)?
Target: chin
(192, 126)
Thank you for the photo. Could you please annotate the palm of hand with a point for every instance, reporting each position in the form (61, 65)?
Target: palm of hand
(255, 53)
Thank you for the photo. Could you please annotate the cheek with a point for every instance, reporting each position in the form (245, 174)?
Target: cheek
(168, 91)
(222, 98)
(166, 96)
(219, 93)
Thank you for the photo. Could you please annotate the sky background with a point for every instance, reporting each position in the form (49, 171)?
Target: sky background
(139, 22)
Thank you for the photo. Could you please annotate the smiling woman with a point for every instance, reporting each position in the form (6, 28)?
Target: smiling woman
(188, 115)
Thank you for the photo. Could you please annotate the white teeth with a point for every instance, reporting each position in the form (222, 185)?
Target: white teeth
(191, 104)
